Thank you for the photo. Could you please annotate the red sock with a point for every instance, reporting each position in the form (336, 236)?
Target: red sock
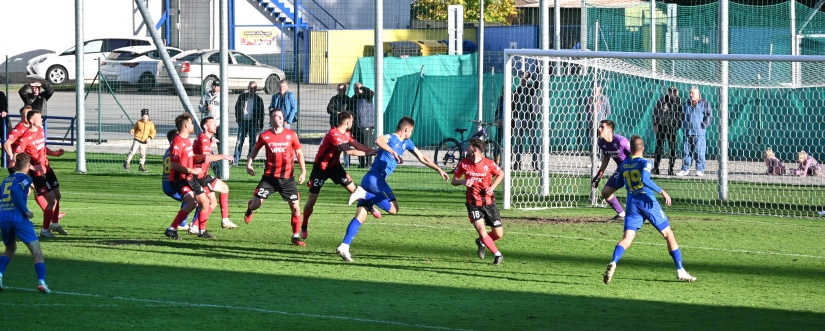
(182, 214)
(41, 201)
(296, 224)
(307, 213)
(56, 213)
(493, 235)
(47, 218)
(224, 205)
(203, 217)
(489, 243)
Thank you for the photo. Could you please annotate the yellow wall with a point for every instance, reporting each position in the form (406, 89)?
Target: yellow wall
(346, 46)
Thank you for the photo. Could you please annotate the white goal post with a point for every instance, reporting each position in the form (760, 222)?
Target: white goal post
(549, 138)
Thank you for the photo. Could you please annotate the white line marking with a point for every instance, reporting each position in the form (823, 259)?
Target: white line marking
(260, 310)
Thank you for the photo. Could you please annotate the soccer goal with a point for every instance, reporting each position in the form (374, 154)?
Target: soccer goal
(757, 102)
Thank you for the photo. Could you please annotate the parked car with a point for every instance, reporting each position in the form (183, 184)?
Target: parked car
(16, 66)
(59, 68)
(136, 65)
(198, 68)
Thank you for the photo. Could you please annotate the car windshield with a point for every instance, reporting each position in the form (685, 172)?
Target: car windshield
(122, 55)
(69, 51)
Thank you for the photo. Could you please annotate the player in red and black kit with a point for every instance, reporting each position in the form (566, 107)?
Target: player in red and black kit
(328, 164)
(282, 146)
(478, 172)
(183, 176)
(203, 146)
(33, 143)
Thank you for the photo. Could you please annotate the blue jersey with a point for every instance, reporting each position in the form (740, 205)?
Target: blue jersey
(635, 174)
(385, 163)
(13, 192)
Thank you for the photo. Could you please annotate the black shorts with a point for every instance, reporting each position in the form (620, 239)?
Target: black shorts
(46, 183)
(317, 177)
(285, 186)
(208, 182)
(488, 213)
(184, 186)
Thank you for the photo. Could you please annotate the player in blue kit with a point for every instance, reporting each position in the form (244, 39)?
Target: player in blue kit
(642, 205)
(614, 147)
(374, 190)
(14, 220)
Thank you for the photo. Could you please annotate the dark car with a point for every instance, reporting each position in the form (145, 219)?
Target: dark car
(17, 66)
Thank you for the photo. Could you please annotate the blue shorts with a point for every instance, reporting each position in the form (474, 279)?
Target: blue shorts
(613, 180)
(20, 227)
(170, 191)
(377, 184)
(640, 209)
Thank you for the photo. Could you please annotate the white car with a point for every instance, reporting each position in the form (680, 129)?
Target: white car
(198, 68)
(136, 65)
(59, 68)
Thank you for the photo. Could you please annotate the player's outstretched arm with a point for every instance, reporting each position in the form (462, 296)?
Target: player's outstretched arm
(58, 152)
(426, 161)
(359, 147)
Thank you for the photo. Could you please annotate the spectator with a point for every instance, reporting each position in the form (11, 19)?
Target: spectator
(339, 103)
(773, 164)
(807, 166)
(285, 101)
(210, 106)
(4, 117)
(696, 121)
(667, 118)
(142, 131)
(596, 109)
(249, 114)
(365, 114)
(526, 108)
(32, 95)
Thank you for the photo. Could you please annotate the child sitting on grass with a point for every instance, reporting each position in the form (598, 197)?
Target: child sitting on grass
(774, 165)
(807, 166)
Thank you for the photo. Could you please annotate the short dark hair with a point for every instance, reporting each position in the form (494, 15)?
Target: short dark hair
(21, 160)
(273, 110)
(343, 116)
(405, 121)
(636, 143)
(25, 109)
(181, 119)
(478, 143)
(31, 114)
(171, 135)
(205, 119)
(609, 123)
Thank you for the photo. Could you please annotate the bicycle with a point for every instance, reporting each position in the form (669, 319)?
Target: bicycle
(449, 152)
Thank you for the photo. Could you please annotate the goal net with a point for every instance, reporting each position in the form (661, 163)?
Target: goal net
(757, 102)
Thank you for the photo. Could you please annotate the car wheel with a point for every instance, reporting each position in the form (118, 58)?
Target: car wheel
(207, 82)
(272, 84)
(57, 75)
(146, 82)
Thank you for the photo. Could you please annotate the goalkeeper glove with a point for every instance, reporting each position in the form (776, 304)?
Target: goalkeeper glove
(595, 181)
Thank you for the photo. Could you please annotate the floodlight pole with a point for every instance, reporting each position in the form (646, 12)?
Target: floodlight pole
(378, 98)
(79, 88)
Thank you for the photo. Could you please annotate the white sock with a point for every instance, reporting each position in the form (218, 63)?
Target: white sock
(498, 253)
(621, 214)
(344, 247)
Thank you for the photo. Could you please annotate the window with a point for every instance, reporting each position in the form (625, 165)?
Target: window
(191, 57)
(172, 52)
(122, 55)
(114, 44)
(93, 46)
(69, 51)
(243, 59)
(215, 57)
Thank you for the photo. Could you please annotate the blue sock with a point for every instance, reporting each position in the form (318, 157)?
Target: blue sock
(617, 253)
(4, 262)
(383, 204)
(677, 258)
(40, 269)
(352, 230)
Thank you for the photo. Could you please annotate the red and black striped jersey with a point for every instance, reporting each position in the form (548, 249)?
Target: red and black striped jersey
(202, 146)
(181, 153)
(280, 152)
(481, 175)
(328, 154)
(34, 144)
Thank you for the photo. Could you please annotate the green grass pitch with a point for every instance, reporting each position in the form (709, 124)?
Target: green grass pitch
(413, 271)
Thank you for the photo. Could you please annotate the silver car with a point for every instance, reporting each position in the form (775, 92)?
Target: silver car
(136, 66)
(198, 68)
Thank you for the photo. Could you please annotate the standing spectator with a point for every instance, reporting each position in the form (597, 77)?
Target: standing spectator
(525, 107)
(338, 104)
(4, 117)
(249, 114)
(210, 106)
(285, 101)
(32, 95)
(807, 166)
(142, 131)
(282, 147)
(596, 110)
(14, 221)
(667, 118)
(365, 120)
(696, 121)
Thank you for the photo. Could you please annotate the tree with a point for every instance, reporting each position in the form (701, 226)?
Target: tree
(499, 11)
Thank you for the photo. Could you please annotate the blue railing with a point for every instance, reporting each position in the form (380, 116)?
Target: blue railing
(68, 139)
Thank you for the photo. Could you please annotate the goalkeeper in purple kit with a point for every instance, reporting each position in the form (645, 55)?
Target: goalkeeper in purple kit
(614, 147)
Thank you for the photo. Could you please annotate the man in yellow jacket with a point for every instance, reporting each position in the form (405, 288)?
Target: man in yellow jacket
(142, 131)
